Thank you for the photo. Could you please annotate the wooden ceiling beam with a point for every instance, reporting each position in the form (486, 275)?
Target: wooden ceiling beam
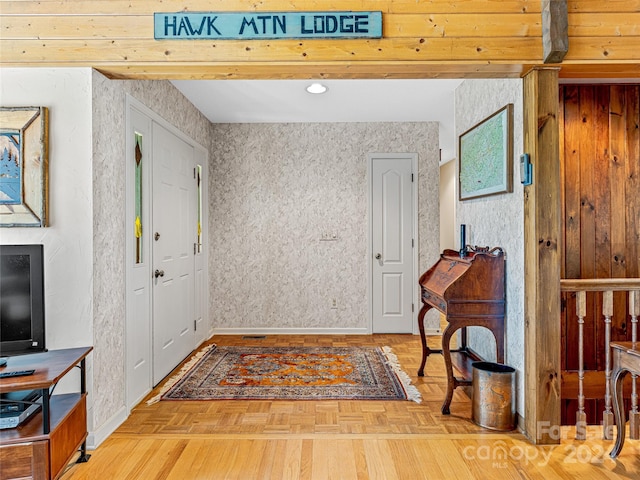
(327, 70)
(555, 30)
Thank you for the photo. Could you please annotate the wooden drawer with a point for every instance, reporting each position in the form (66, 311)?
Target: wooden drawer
(25, 461)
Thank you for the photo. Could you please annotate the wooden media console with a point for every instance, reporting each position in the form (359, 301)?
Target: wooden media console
(42, 447)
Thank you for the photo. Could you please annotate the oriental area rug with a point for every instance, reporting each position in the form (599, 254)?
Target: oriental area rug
(291, 373)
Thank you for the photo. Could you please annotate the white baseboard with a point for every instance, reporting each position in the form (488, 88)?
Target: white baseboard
(290, 331)
(95, 438)
(305, 331)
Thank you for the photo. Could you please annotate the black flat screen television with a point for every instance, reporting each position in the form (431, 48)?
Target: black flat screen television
(21, 299)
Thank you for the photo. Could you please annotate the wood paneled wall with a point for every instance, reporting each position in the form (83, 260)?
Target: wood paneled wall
(600, 165)
(421, 39)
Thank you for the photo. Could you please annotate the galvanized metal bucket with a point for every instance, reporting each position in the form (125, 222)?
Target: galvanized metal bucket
(493, 398)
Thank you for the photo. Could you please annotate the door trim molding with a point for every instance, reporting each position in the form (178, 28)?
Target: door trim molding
(200, 152)
(414, 195)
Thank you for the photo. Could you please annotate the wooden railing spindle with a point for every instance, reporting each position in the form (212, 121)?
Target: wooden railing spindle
(634, 414)
(607, 416)
(581, 417)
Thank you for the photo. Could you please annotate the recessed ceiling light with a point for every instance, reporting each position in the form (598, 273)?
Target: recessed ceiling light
(316, 88)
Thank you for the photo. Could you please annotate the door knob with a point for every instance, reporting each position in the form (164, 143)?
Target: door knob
(378, 256)
(158, 273)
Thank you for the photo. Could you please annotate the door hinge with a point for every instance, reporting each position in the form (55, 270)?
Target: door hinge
(413, 307)
(194, 173)
(412, 243)
(195, 325)
(412, 178)
(195, 248)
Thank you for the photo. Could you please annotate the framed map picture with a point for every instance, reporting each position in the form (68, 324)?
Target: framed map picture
(486, 156)
(23, 166)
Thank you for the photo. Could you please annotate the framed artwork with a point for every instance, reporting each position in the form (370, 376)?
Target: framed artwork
(24, 177)
(486, 156)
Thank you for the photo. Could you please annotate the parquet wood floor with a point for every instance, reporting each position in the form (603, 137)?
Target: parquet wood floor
(340, 439)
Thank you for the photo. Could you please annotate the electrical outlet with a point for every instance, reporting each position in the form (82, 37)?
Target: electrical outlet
(329, 236)
(334, 303)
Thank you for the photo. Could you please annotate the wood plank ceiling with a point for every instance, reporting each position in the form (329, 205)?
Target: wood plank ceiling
(426, 39)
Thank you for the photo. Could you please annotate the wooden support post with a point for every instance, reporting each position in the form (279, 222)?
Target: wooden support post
(542, 257)
(555, 30)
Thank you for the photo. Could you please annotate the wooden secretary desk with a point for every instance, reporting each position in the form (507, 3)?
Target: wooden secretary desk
(469, 289)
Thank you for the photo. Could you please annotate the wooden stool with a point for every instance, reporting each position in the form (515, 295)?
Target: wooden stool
(626, 358)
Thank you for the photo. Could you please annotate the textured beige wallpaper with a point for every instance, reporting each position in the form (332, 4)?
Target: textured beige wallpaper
(108, 225)
(498, 220)
(274, 189)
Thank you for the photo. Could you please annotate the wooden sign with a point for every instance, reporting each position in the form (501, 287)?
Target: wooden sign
(266, 25)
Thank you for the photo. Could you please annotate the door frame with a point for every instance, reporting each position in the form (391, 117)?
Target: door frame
(201, 155)
(414, 225)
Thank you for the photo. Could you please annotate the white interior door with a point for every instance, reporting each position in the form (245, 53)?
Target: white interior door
(174, 236)
(392, 242)
(138, 325)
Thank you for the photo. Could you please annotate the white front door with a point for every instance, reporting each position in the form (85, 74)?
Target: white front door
(392, 242)
(173, 239)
